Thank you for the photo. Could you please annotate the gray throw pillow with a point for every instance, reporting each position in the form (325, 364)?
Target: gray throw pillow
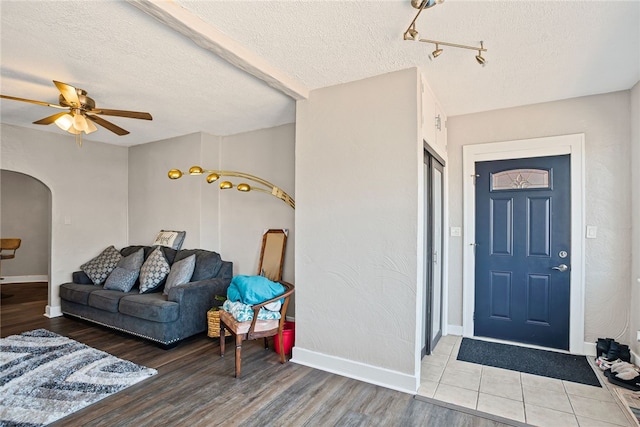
(121, 279)
(181, 272)
(99, 268)
(153, 271)
(133, 261)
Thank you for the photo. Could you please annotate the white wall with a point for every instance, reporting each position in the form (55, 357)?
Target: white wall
(268, 154)
(605, 121)
(158, 203)
(26, 214)
(228, 222)
(358, 179)
(635, 215)
(88, 191)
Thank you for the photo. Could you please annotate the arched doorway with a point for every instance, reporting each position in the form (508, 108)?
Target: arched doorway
(25, 213)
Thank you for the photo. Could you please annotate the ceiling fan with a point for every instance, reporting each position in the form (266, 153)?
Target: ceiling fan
(82, 112)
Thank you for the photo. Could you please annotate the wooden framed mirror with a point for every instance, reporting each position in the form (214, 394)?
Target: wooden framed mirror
(274, 243)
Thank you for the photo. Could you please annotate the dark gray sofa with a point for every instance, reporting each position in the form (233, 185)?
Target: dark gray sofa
(165, 319)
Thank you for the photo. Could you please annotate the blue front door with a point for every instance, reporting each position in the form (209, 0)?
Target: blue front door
(523, 253)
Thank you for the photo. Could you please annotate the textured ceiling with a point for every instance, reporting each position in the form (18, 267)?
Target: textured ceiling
(538, 51)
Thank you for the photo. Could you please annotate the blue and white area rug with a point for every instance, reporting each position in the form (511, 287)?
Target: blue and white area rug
(45, 376)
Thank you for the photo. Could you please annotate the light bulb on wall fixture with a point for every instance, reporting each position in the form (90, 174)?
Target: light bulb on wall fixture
(263, 186)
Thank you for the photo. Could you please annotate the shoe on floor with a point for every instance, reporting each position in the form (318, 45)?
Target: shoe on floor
(631, 384)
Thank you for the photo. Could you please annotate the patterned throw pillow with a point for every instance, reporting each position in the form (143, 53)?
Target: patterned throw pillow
(121, 279)
(99, 268)
(181, 272)
(153, 271)
(170, 238)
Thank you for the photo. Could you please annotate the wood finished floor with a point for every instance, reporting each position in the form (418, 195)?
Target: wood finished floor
(196, 387)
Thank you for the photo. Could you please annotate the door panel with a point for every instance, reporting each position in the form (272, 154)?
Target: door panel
(522, 224)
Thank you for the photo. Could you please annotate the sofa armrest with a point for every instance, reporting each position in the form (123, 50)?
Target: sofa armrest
(202, 290)
(81, 278)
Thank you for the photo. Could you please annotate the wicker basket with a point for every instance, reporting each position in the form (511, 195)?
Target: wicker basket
(213, 319)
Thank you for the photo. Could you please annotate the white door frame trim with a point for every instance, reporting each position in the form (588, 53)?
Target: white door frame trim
(537, 147)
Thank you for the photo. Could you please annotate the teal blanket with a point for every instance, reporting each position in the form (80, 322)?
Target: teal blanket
(253, 289)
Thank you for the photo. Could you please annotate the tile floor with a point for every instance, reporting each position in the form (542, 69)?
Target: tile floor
(527, 398)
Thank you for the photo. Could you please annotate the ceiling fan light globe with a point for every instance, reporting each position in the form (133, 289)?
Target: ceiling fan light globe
(64, 122)
(80, 123)
(90, 127)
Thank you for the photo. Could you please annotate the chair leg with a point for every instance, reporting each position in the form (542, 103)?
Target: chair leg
(238, 354)
(282, 356)
(266, 343)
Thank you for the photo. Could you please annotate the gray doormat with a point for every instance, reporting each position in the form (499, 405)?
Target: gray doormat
(545, 363)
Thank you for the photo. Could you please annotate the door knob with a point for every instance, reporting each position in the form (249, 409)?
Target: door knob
(561, 268)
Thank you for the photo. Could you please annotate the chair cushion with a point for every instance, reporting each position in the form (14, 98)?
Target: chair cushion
(78, 293)
(106, 300)
(240, 328)
(154, 307)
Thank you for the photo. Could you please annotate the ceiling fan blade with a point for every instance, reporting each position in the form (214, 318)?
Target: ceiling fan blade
(50, 119)
(122, 113)
(69, 92)
(46, 104)
(108, 125)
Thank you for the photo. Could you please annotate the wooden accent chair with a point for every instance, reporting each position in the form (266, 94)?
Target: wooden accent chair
(8, 248)
(274, 243)
(255, 328)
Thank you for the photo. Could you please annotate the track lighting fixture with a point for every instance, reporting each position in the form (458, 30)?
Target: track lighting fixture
(436, 52)
(412, 34)
(479, 57)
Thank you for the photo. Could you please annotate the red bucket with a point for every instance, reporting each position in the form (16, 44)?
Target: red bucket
(288, 338)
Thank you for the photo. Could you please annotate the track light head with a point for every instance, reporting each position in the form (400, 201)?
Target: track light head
(436, 52)
(479, 57)
(411, 33)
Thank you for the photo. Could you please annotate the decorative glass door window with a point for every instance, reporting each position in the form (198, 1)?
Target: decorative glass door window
(516, 179)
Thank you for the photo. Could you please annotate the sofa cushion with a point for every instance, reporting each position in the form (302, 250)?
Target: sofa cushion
(78, 293)
(180, 273)
(121, 279)
(153, 271)
(106, 300)
(208, 263)
(153, 307)
(170, 238)
(98, 268)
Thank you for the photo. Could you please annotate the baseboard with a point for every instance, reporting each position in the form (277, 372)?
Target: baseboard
(53, 311)
(356, 370)
(454, 330)
(25, 279)
(589, 349)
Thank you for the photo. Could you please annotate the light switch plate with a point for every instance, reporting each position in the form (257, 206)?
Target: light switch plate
(592, 231)
(456, 231)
